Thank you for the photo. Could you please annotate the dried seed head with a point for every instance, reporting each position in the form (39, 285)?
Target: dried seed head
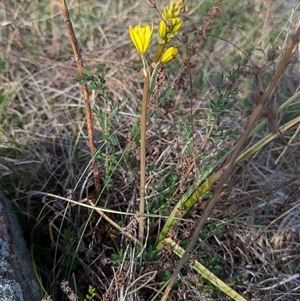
(157, 88)
(272, 55)
(171, 233)
(214, 11)
(151, 3)
(168, 107)
(184, 38)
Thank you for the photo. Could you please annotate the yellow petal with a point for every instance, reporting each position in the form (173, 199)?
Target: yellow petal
(147, 37)
(135, 38)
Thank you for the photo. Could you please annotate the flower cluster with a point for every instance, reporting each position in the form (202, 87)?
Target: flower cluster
(171, 22)
(169, 25)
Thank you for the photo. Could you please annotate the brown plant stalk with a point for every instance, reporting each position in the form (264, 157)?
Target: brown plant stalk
(264, 102)
(88, 111)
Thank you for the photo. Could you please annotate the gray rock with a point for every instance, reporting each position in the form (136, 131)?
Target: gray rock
(17, 279)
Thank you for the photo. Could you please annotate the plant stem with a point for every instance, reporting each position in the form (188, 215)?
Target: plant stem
(106, 135)
(143, 138)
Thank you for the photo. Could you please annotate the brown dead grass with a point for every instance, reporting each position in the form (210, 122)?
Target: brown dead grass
(44, 148)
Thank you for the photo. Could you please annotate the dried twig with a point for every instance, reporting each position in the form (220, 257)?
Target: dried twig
(88, 111)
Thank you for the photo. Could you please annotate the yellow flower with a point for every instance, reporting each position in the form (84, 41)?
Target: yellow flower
(141, 37)
(169, 54)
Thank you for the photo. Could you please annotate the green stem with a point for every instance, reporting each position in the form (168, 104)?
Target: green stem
(143, 138)
(106, 135)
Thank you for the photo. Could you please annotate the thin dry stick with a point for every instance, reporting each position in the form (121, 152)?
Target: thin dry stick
(88, 111)
(255, 116)
(108, 219)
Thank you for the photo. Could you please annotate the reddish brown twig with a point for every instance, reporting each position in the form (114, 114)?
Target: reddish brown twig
(88, 111)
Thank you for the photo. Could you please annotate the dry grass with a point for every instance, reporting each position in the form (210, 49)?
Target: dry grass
(254, 229)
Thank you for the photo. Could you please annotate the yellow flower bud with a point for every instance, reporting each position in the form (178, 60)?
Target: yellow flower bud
(177, 5)
(176, 24)
(162, 29)
(173, 9)
(167, 13)
(169, 54)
